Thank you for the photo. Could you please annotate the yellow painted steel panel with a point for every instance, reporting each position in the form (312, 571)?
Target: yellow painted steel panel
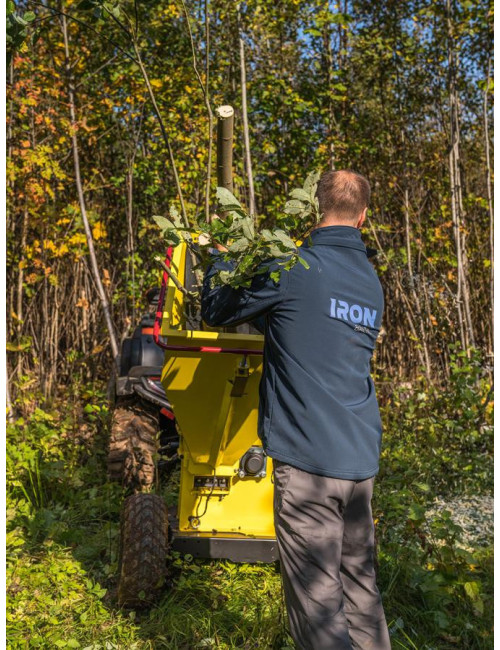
(217, 427)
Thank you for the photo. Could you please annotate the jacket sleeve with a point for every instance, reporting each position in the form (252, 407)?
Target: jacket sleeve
(223, 305)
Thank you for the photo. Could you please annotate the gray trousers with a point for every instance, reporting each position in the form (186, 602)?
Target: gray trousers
(325, 534)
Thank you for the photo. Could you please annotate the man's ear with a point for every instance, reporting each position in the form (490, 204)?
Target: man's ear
(362, 218)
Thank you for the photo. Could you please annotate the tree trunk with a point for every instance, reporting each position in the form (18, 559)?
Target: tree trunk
(490, 196)
(208, 182)
(20, 277)
(10, 410)
(83, 209)
(163, 129)
(457, 211)
(328, 54)
(411, 281)
(130, 230)
(246, 134)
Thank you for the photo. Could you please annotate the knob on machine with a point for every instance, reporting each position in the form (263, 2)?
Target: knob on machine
(253, 463)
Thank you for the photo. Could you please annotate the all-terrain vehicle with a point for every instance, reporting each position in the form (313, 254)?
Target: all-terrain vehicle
(143, 437)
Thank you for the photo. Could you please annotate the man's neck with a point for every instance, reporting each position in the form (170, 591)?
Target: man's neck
(325, 223)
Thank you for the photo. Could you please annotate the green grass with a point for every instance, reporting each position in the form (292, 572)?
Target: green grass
(63, 526)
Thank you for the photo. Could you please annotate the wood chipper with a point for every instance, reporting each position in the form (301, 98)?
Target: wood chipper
(211, 379)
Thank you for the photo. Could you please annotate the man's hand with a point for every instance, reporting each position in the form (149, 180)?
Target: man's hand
(220, 247)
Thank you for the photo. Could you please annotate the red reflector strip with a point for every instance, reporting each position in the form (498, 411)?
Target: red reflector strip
(167, 413)
(210, 349)
(147, 330)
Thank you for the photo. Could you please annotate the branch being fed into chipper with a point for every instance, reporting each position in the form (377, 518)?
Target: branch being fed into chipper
(175, 279)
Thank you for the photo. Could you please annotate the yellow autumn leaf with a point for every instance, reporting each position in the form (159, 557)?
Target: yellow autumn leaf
(49, 245)
(63, 248)
(156, 83)
(78, 238)
(99, 231)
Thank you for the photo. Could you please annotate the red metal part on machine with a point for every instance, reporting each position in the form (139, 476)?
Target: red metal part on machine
(185, 348)
(167, 413)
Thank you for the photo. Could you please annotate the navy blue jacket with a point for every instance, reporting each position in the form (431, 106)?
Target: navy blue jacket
(318, 410)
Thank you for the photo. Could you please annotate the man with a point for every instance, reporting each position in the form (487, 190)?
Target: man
(319, 419)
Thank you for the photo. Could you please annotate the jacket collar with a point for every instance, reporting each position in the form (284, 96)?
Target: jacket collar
(344, 236)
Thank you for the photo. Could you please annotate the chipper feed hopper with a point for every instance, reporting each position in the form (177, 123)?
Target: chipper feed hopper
(211, 379)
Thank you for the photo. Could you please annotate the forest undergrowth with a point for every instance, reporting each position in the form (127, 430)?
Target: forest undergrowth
(63, 529)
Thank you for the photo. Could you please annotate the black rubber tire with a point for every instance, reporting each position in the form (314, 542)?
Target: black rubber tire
(133, 443)
(143, 550)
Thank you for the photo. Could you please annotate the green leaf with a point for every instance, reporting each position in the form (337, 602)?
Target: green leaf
(227, 199)
(311, 181)
(300, 194)
(239, 245)
(416, 512)
(285, 239)
(472, 589)
(303, 262)
(294, 207)
(225, 278)
(275, 251)
(176, 217)
(248, 228)
(424, 487)
(267, 235)
(163, 222)
(18, 347)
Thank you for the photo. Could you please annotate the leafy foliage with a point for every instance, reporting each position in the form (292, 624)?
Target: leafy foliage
(17, 28)
(63, 523)
(446, 432)
(362, 86)
(248, 250)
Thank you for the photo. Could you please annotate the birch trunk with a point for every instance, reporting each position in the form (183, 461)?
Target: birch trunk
(328, 54)
(415, 296)
(81, 198)
(490, 195)
(457, 211)
(246, 134)
(130, 231)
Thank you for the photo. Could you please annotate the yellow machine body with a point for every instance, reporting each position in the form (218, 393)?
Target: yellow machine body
(214, 396)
